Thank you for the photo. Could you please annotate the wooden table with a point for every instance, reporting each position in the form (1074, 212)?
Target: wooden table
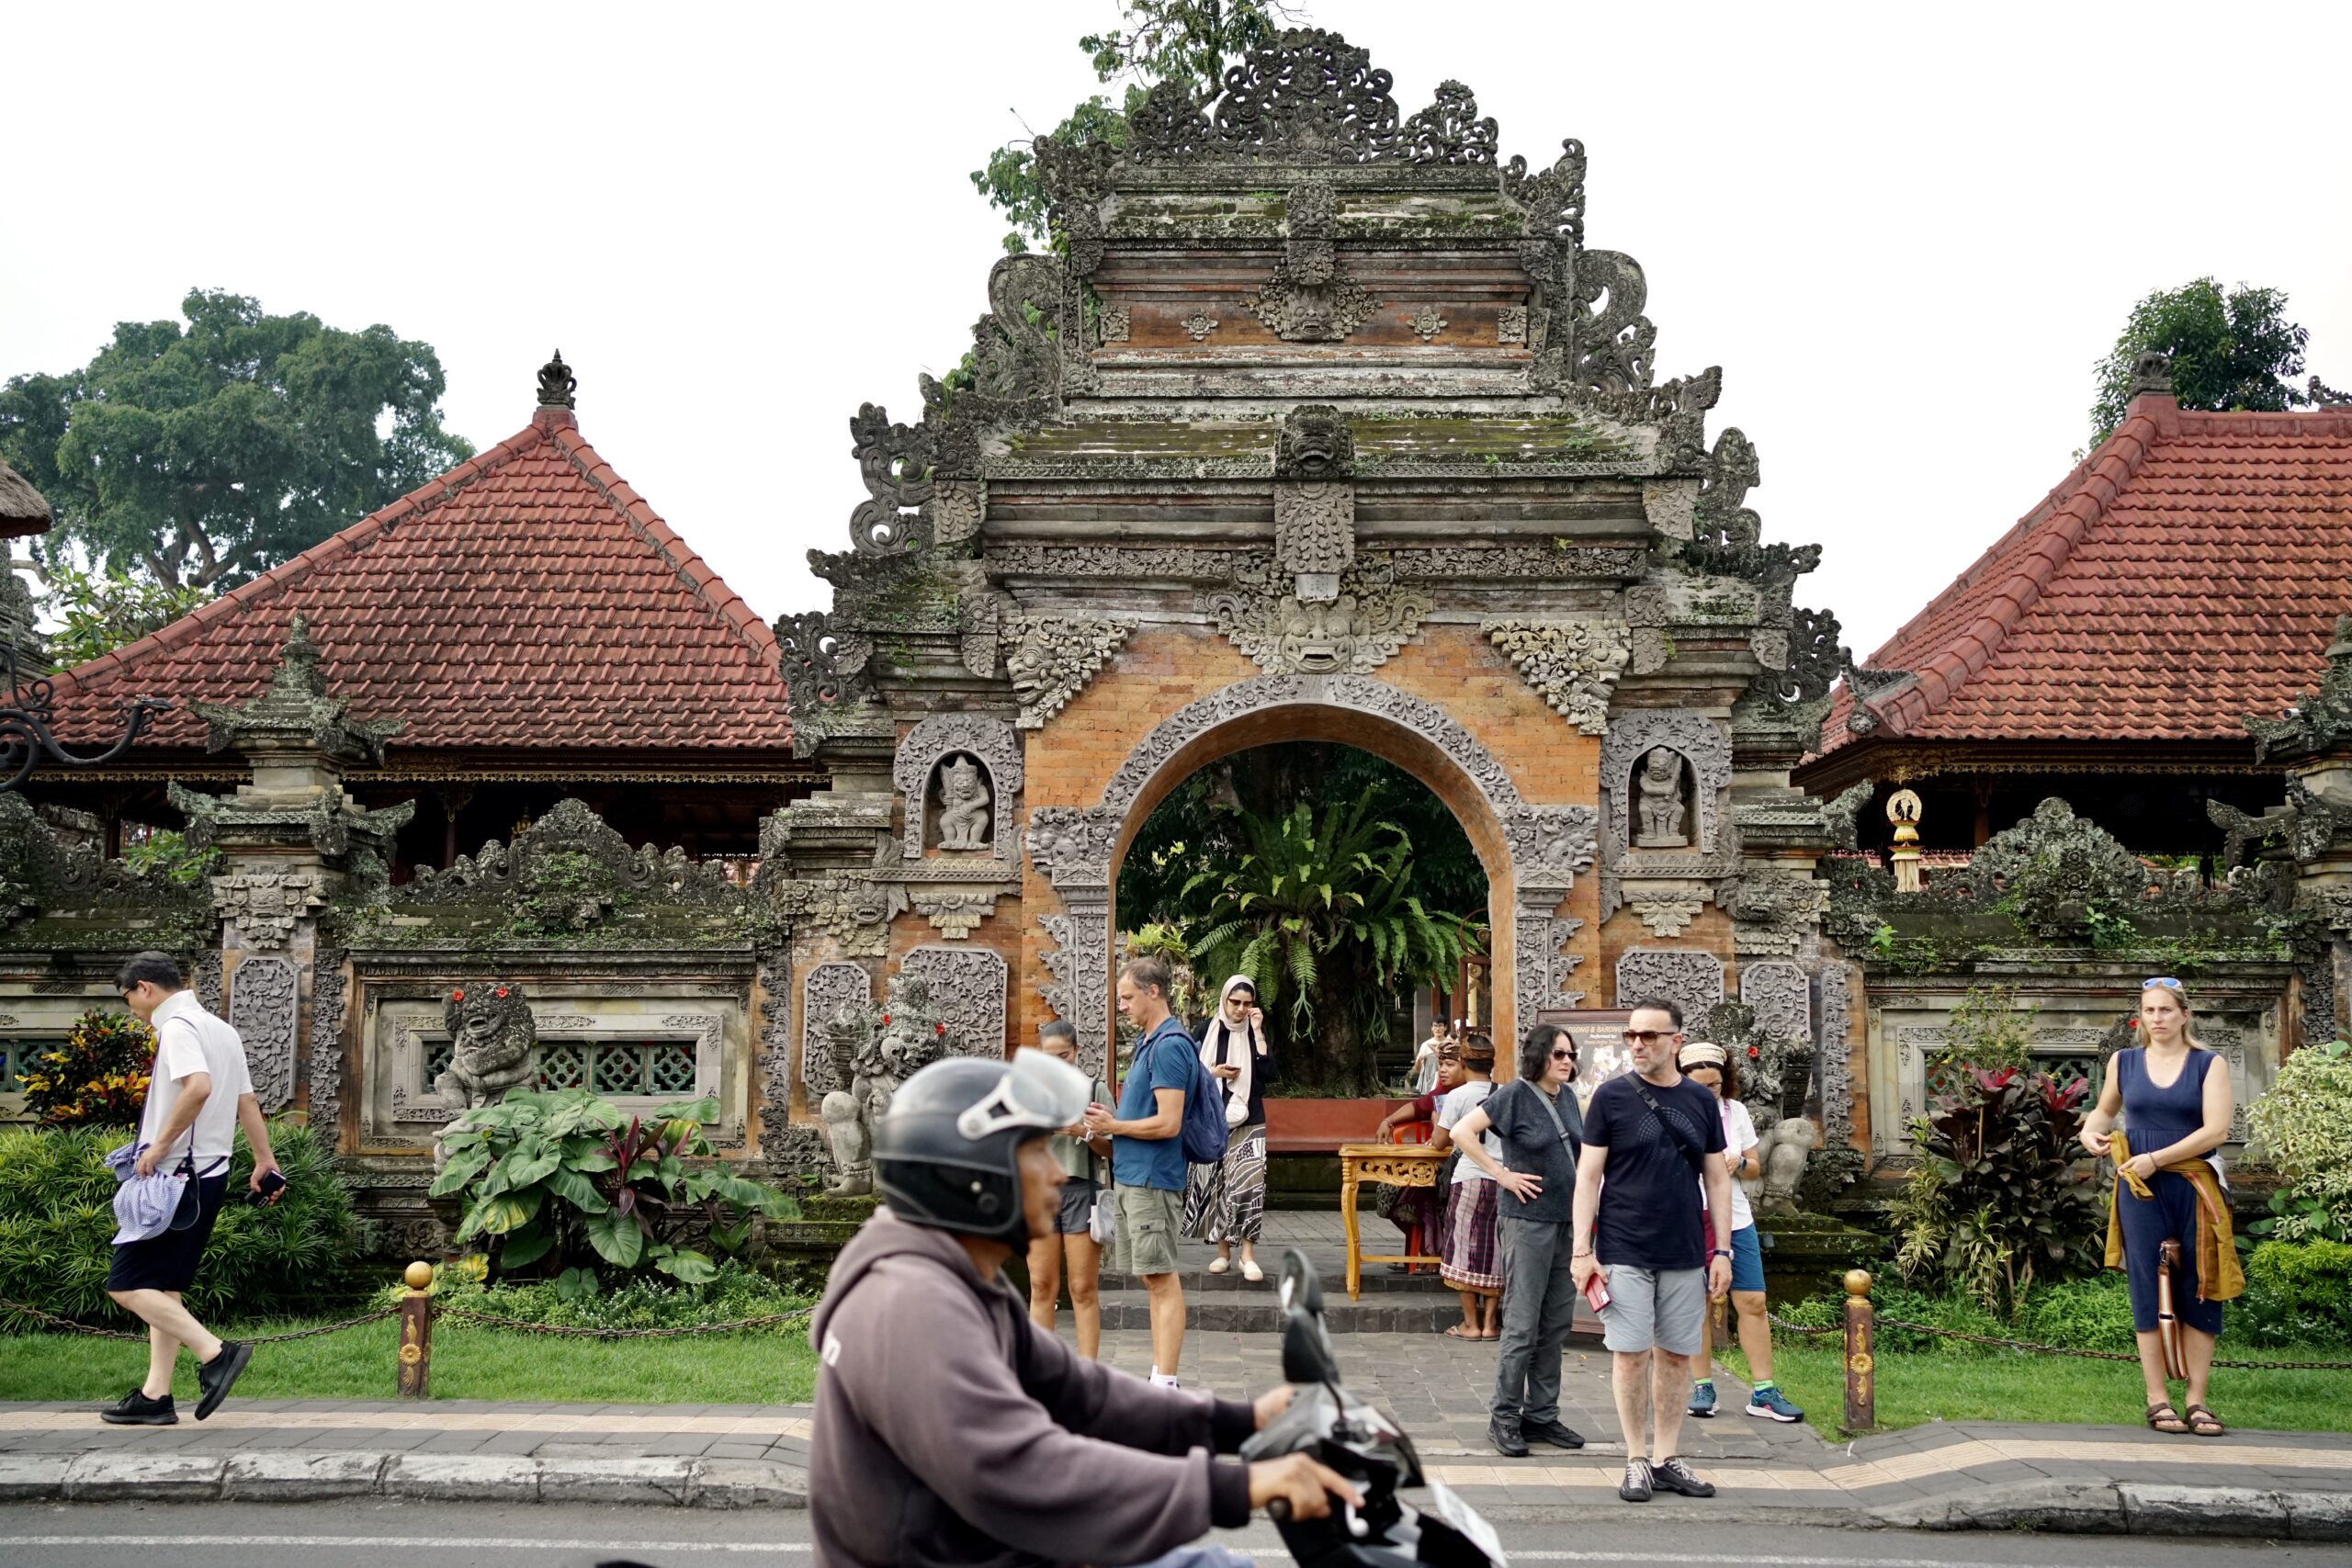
(1399, 1165)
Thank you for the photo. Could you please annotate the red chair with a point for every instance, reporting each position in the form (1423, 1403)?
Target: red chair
(1414, 1133)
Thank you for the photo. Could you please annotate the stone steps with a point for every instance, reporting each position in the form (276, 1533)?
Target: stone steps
(1226, 1312)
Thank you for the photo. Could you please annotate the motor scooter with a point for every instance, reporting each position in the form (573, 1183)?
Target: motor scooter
(1340, 1430)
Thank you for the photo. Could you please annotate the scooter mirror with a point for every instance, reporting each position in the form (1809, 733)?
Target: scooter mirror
(1299, 1289)
(1307, 1347)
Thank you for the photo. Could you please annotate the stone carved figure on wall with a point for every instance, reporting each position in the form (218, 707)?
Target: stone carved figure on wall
(1664, 815)
(884, 1052)
(495, 1043)
(1050, 659)
(963, 801)
(1357, 632)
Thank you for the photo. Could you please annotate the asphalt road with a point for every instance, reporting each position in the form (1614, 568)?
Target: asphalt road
(372, 1534)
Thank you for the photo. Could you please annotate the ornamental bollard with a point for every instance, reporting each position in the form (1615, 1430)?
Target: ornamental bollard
(1861, 1390)
(416, 1333)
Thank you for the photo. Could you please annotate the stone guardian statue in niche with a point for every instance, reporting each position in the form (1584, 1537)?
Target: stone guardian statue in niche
(1659, 801)
(884, 1052)
(1787, 1144)
(495, 1044)
(965, 821)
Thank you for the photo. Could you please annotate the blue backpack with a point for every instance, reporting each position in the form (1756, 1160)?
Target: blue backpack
(1203, 1134)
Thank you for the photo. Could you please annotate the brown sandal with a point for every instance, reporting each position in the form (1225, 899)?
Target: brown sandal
(2205, 1424)
(2163, 1417)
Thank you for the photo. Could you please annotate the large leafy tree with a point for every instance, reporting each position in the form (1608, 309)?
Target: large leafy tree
(201, 452)
(1191, 41)
(2230, 349)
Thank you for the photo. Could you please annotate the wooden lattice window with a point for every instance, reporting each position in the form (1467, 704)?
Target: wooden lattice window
(619, 1067)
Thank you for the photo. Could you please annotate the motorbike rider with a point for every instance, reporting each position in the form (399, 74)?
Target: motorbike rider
(950, 1428)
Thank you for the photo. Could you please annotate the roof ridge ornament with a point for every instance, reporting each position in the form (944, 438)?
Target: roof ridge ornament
(1310, 96)
(2150, 375)
(557, 383)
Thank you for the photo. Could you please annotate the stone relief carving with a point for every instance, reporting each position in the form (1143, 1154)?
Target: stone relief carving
(1510, 324)
(1663, 808)
(883, 1050)
(1782, 995)
(1165, 563)
(982, 809)
(855, 912)
(1308, 97)
(1315, 527)
(824, 674)
(1113, 323)
(825, 991)
(1051, 658)
(1546, 962)
(956, 913)
(265, 905)
(1667, 914)
(265, 1005)
(1357, 631)
(1200, 323)
(1573, 665)
(1693, 980)
(1512, 563)
(1633, 736)
(1836, 1056)
(1298, 310)
(968, 986)
(327, 992)
(1772, 913)
(1425, 324)
(956, 510)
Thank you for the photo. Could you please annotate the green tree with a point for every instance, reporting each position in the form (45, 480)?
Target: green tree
(2230, 350)
(1319, 912)
(202, 455)
(1157, 41)
(97, 612)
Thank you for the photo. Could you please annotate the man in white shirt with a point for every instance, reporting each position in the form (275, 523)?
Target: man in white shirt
(197, 1095)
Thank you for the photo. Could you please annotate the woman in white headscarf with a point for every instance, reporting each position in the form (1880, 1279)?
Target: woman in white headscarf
(1226, 1202)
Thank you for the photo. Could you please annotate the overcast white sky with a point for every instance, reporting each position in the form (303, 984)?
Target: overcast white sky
(1905, 232)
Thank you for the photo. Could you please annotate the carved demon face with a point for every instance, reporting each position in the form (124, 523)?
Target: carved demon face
(1662, 769)
(1314, 442)
(959, 785)
(490, 1022)
(1318, 638)
(1028, 664)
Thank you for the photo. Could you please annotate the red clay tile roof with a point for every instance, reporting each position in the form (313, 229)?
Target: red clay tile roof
(529, 597)
(2188, 574)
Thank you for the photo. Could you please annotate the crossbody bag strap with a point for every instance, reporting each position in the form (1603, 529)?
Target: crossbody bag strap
(1691, 1153)
(1552, 1108)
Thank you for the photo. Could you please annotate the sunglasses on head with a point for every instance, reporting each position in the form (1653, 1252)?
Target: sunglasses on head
(2166, 981)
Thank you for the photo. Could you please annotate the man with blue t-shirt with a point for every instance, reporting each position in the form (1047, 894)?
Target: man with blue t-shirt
(1148, 1168)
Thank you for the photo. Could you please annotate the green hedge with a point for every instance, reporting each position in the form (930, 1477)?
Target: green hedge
(738, 1291)
(57, 1228)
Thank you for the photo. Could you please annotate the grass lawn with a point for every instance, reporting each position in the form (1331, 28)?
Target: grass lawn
(2013, 1387)
(467, 1363)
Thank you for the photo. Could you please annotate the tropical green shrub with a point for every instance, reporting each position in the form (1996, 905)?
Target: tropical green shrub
(97, 1078)
(735, 1291)
(2304, 1127)
(1997, 1200)
(565, 1181)
(2297, 1293)
(57, 1228)
(1989, 1030)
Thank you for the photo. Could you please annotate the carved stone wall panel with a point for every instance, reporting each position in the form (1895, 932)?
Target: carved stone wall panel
(1782, 995)
(1545, 966)
(777, 1051)
(327, 996)
(931, 744)
(969, 985)
(1356, 632)
(266, 905)
(1667, 914)
(1693, 980)
(264, 1004)
(825, 990)
(1834, 1053)
(1314, 526)
(1572, 664)
(1051, 658)
(1704, 750)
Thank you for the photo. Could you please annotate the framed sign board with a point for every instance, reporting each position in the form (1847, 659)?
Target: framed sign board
(1600, 1036)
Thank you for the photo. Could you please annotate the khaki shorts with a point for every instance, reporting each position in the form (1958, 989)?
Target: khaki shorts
(1148, 1218)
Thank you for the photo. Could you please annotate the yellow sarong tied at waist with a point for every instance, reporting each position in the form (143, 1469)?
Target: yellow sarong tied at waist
(2219, 1278)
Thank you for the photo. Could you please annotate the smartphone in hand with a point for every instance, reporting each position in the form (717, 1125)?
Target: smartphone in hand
(272, 1184)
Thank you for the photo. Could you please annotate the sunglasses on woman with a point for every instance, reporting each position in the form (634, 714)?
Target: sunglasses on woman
(1563, 1055)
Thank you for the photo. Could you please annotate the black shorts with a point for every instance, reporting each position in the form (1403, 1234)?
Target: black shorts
(167, 1262)
(1076, 1206)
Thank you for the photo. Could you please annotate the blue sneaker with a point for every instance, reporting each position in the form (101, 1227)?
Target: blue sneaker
(1773, 1406)
(1702, 1400)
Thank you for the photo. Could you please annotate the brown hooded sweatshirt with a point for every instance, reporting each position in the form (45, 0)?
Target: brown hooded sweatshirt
(951, 1431)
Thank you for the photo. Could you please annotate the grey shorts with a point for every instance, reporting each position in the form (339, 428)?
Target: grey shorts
(1149, 1221)
(1662, 1309)
(1078, 1206)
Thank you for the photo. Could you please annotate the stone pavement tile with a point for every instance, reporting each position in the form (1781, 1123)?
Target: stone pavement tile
(619, 1479)
(513, 1443)
(285, 1477)
(684, 1445)
(452, 1442)
(728, 1448)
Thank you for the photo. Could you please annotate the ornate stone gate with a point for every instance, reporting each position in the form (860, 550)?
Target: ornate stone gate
(1323, 422)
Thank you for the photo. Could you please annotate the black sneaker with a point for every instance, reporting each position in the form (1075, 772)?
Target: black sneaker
(1558, 1434)
(217, 1376)
(1673, 1475)
(135, 1409)
(1506, 1438)
(1635, 1487)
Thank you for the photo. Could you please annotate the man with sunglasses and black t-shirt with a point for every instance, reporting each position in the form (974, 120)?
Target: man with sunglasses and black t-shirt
(1661, 1256)
(1534, 1118)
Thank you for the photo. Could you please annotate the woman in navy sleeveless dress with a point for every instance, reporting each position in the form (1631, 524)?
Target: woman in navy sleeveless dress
(2174, 1097)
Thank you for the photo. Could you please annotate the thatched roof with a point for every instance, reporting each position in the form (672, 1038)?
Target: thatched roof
(22, 510)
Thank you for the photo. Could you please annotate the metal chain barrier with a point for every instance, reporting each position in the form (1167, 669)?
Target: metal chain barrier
(1783, 1323)
(69, 1326)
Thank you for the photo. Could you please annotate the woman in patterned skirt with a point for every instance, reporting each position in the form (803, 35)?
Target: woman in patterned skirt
(1226, 1202)
(1469, 1262)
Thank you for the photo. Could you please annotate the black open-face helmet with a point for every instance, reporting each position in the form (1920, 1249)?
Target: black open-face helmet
(947, 1152)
